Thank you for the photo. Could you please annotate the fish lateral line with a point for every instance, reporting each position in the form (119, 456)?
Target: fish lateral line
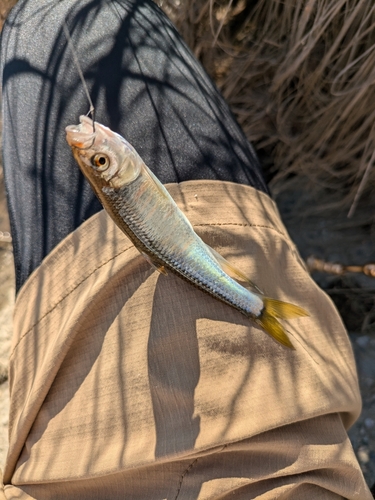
(144, 210)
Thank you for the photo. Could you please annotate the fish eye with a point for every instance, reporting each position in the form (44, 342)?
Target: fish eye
(100, 161)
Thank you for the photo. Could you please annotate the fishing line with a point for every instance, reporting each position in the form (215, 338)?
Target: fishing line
(78, 66)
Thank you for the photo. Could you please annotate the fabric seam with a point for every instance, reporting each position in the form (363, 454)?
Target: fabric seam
(130, 247)
(183, 476)
(65, 296)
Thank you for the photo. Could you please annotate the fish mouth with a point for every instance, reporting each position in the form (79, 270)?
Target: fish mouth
(81, 136)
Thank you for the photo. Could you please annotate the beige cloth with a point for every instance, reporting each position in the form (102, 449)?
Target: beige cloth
(127, 384)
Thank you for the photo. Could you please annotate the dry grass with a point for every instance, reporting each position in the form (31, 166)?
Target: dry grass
(299, 76)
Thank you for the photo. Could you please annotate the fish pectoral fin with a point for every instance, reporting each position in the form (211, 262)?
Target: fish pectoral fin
(159, 186)
(155, 265)
(232, 270)
(274, 309)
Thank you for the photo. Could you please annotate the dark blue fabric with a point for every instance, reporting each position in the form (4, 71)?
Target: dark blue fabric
(145, 84)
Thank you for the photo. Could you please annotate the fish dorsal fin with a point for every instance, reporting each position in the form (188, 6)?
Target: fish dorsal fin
(232, 270)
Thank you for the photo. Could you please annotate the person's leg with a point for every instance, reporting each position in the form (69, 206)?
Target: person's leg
(145, 84)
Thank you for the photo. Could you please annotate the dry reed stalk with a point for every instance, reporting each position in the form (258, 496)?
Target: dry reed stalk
(300, 77)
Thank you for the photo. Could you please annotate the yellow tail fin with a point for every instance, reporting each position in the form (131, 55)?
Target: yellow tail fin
(276, 309)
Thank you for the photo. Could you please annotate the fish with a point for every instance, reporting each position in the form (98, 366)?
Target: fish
(143, 209)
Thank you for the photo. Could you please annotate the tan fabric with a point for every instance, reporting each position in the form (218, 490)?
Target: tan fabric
(129, 384)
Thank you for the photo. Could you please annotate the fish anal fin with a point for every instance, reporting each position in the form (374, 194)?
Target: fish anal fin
(155, 265)
(232, 270)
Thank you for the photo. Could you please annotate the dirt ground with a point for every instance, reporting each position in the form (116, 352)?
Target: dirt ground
(328, 235)
(336, 239)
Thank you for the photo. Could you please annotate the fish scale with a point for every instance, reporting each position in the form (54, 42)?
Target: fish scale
(195, 265)
(144, 210)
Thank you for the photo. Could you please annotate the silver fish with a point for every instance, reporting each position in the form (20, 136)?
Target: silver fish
(144, 210)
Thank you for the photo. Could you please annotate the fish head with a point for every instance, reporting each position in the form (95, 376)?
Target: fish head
(103, 156)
